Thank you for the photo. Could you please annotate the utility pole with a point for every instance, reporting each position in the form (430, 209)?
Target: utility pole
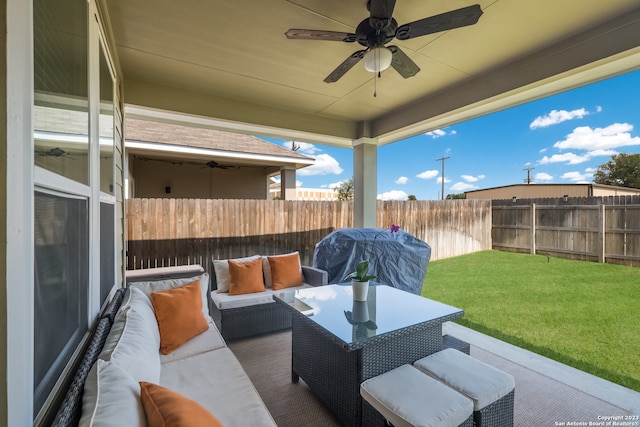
(442, 159)
(528, 180)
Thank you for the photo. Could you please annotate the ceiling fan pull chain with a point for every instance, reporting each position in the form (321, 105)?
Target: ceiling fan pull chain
(375, 89)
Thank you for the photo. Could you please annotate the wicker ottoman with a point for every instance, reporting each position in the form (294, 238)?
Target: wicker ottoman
(407, 397)
(449, 341)
(490, 389)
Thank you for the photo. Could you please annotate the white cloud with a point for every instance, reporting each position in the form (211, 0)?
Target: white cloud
(336, 184)
(557, 116)
(446, 180)
(542, 177)
(569, 158)
(598, 109)
(393, 195)
(428, 174)
(612, 136)
(402, 180)
(462, 186)
(471, 178)
(438, 133)
(324, 165)
(542, 150)
(574, 176)
(599, 153)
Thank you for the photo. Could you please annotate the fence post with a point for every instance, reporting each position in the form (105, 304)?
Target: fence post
(533, 228)
(601, 233)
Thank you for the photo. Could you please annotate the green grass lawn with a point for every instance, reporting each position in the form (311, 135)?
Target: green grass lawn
(583, 314)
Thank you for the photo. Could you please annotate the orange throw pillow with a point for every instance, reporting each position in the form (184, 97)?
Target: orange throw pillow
(245, 277)
(179, 315)
(166, 408)
(285, 271)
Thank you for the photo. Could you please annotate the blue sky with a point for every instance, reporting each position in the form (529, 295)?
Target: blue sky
(564, 138)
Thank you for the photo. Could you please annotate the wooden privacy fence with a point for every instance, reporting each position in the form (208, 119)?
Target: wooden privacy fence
(167, 232)
(593, 229)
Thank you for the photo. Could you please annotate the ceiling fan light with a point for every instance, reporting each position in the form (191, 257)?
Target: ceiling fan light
(377, 59)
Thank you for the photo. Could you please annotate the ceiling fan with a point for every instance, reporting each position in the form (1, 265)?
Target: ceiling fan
(213, 164)
(54, 152)
(380, 28)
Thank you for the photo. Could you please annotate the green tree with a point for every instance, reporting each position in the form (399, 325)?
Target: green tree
(622, 170)
(345, 190)
(411, 197)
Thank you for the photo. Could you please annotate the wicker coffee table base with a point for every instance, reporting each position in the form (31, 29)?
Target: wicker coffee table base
(334, 372)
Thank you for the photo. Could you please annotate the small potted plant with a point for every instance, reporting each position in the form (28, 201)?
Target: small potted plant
(361, 277)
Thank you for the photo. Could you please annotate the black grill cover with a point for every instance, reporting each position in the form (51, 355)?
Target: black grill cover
(398, 259)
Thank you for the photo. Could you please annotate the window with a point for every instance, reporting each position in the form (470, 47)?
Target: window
(61, 276)
(107, 207)
(106, 127)
(107, 250)
(77, 134)
(61, 111)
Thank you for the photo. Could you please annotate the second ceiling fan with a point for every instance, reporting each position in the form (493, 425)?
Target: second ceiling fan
(380, 28)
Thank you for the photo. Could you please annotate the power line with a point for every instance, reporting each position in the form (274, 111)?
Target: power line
(442, 159)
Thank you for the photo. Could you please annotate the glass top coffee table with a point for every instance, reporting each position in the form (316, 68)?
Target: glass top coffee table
(337, 342)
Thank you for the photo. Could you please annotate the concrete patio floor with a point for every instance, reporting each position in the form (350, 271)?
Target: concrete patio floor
(548, 393)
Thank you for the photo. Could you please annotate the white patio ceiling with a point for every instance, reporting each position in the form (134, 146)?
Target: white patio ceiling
(228, 65)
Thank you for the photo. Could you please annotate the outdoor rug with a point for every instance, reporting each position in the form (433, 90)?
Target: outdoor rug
(540, 401)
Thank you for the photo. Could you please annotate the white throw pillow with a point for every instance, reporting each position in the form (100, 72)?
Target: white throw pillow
(133, 347)
(221, 267)
(111, 398)
(164, 285)
(266, 267)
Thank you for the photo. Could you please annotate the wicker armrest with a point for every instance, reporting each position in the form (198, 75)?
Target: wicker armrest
(112, 307)
(70, 409)
(315, 276)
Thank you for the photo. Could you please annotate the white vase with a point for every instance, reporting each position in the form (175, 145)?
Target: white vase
(360, 290)
(360, 312)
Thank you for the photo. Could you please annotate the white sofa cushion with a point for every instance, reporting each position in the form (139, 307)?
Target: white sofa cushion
(225, 301)
(406, 397)
(166, 284)
(111, 398)
(483, 383)
(221, 267)
(216, 381)
(138, 300)
(209, 340)
(132, 346)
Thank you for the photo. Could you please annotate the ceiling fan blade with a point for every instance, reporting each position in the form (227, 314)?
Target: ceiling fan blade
(335, 36)
(381, 9)
(402, 63)
(445, 21)
(345, 66)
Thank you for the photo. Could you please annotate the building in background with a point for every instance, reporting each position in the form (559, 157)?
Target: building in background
(317, 194)
(165, 160)
(540, 191)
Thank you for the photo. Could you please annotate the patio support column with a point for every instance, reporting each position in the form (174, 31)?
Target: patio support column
(365, 178)
(288, 184)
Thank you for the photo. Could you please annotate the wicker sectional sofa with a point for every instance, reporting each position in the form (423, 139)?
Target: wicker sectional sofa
(123, 351)
(241, 316)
